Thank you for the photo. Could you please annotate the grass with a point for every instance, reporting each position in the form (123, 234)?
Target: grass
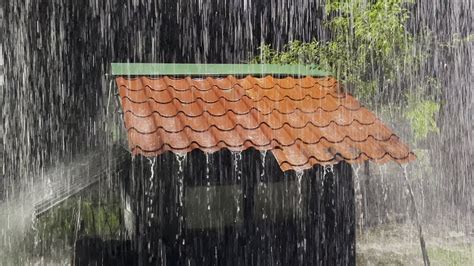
(456, 255)
(399, 245)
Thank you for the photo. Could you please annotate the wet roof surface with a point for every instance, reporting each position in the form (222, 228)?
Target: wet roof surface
(302, 121)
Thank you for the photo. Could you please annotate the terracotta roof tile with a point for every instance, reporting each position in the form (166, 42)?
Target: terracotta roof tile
(303, 121)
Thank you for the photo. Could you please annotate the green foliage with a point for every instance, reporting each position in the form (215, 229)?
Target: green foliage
(59, 227)
(369, 45)
(370, 52)
(422, 109)
(100, 220)
(295, 52)
(422, 118)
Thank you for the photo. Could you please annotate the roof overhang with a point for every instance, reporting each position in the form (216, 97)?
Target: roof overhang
(294, 111)
(151, 69)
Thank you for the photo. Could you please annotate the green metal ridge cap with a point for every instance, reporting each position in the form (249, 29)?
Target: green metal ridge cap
(152, 69)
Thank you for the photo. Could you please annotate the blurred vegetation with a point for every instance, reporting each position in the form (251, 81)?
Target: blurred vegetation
(458, 40)
(421, 114)
(89, 214)
(371, 52)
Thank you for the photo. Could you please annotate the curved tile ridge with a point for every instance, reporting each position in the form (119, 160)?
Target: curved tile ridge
(303, 121)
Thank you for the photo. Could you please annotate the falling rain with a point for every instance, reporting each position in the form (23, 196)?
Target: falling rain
(324, 132)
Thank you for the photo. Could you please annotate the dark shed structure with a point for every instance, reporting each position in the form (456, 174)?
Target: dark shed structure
(244, 164)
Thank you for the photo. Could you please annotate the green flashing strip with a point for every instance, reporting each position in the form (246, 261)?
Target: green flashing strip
(141, 69)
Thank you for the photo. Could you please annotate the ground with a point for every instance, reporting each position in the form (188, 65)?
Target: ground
(395, 244)
(399, 245)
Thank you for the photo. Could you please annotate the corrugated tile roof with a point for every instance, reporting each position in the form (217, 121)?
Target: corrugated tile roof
(303, 121)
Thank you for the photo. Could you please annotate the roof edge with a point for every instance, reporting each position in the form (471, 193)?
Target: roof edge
(152, 69)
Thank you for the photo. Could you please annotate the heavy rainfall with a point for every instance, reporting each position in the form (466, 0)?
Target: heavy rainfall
(71, 191)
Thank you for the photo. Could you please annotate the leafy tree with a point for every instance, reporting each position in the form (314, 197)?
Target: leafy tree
(372, 54)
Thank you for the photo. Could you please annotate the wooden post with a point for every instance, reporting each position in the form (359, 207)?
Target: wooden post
(424, 252)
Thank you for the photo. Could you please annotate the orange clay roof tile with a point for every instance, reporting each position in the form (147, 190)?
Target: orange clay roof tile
(303, 121)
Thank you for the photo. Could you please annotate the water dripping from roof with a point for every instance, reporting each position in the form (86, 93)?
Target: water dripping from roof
(208, 181)
(150, 192)
(263, 156)
(301, 235)
(236, 161)
(358, 195)
(262, 185)
(299, 178)
(237, 172)
(181, 158)
(382, 171)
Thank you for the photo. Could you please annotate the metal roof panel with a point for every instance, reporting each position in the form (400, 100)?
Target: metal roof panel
(154, 69)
